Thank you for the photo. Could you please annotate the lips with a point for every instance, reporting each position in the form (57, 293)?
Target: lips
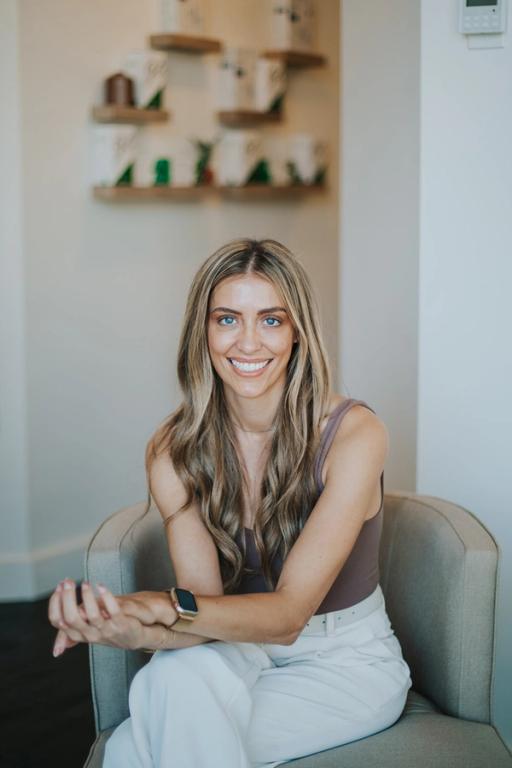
(251, 370)
(249, 360)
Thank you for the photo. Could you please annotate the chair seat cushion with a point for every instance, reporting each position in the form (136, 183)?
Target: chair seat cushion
(422, 737)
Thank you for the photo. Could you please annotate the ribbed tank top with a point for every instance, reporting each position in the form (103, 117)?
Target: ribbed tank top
(359, 575)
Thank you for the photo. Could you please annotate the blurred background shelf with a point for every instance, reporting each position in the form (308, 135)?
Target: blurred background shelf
(125, 193)
(243, 118)
(248, 192)
(186, 43)
(111, 113)
(297, 58)
(264, 191)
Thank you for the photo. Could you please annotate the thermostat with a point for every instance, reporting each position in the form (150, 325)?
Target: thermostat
(482, 17)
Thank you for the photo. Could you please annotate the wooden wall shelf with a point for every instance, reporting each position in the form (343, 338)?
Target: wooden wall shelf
(243, 118)
(249, 192)
(126, 193)
(111, 113)
(297, 58)
(185, 43)
(265, 192)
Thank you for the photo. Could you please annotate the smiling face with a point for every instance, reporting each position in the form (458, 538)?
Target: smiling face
(250, 335)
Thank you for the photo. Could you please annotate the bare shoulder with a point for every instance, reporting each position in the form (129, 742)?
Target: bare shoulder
(359, 427)
(361, 431)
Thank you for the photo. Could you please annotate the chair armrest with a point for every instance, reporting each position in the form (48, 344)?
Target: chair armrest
(439, 572)
(128, 553)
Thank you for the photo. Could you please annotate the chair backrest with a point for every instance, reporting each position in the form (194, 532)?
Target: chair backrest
(438, 567)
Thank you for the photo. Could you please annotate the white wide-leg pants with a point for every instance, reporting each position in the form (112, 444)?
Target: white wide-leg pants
(253, 705)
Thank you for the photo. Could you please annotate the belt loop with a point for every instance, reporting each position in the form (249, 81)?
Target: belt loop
(329, 623)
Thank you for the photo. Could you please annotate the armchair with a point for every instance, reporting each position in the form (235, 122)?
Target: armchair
(438, 567)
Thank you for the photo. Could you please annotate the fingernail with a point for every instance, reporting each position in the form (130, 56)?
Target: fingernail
(59, 587)
(101, 588)
(67, 585)
(85, 585)
(57, 650)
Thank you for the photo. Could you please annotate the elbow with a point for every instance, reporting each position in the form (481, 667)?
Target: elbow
(292, 636)
(283, 637)
(296, 621)
(286, 635)
(290, 639)
(294, 633)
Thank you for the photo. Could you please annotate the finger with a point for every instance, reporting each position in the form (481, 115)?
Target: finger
(92, 610)
(109, 601)
(83, 614)
(76, 634)
(70, 611)
(62, 642)
(54, 606)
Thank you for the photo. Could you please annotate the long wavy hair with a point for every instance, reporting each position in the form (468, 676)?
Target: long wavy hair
(199, 435)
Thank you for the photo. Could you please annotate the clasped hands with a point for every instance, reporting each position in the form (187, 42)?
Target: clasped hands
(116, 620)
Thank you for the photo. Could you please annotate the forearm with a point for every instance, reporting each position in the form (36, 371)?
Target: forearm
(263, 617)
(159, 637)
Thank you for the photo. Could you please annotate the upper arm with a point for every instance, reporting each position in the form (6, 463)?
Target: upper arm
(191, 547)
(357, 460)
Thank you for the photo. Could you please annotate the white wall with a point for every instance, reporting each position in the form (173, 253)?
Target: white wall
(426, 239)
(465, 366)
(13, 404)
(379, 219)
(105, 285)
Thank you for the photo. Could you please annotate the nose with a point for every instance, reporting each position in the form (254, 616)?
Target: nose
(249, 341)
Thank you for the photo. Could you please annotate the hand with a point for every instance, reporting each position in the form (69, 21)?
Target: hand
(149, 607)
(99, 620)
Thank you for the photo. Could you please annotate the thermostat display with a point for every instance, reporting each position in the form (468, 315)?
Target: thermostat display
(482, 17)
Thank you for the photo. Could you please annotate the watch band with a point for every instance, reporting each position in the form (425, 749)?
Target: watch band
(184, 603)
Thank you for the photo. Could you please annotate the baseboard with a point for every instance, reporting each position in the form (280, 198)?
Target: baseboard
(34, 575)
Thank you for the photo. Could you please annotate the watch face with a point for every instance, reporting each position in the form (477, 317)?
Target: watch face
(186, 599)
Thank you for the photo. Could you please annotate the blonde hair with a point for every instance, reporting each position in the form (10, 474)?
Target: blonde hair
(199, 436)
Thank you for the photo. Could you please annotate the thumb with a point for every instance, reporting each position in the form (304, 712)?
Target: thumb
(62, 642)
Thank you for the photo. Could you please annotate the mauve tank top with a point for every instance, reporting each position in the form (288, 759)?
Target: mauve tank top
(360, 574)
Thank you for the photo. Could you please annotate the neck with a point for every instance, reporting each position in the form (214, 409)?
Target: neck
(253, 415)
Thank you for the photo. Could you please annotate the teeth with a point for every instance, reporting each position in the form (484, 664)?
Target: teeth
(249, 366)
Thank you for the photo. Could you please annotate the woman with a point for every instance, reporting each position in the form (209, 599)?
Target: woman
(270, 489)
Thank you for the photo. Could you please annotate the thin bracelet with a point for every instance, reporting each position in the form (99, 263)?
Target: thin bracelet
(151, 650)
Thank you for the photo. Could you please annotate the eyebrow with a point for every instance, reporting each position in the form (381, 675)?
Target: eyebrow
(260, 312)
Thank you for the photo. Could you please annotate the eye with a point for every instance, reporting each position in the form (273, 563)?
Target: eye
(225, 317)
(275, 323)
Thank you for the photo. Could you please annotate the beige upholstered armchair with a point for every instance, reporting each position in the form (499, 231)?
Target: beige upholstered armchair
(439, 568)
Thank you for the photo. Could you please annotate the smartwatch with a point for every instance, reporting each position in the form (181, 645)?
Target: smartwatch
(184, 603)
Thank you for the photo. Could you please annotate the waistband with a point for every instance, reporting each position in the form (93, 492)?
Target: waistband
(327, 623)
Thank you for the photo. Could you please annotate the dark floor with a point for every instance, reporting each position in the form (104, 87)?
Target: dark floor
(46, 715)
